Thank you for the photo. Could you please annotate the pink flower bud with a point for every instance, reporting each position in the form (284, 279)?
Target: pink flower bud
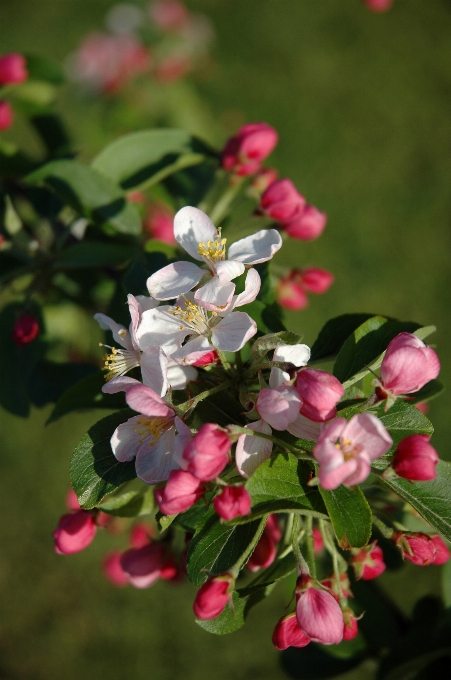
(415, 458)
(423, 407)
(282, 201)
(180, 493)
(233, 501)
(378, 5)
(74, 532)
(159, 223)
(263, 179)
(442, 553)
(288, 634)
(368, 562)
(207, 359)
(140, 535)
(307, 224)
(244, 152)
(264, 554)
(207, 453)
(273, 529)
(291, 294)
(173, 68)
(169, 15)
(416, 547)
(25, 329)
(142, 566)
(169, 570)
(72, 500)
(320, 392)
(104, 520)
(13, 69)
(316, 280)
(318, 613)
(350, 627)
(408, 365)
(111, 567)
(212, 597)
(6, 115)
(318, 543)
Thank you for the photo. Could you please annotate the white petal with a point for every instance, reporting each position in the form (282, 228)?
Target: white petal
(298, 355)
(181, 440)
(259, 247)
(119, 384)
(160, 328)
(120, 334)
(126, 439)
(277, 377)
(232, 333)
(174, 280)
(154, 369)
(179, 376)
(305, 428)
(226, 270)
(155, 460)
(144, 400)
(215, 295)
(135, 314)
(191, 227)
(192, 351)
(146, 302)
(252, 451)
(251, 289)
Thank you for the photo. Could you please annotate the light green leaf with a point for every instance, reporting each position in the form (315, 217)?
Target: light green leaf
(86, 394)
(94, 471)
(130, 503)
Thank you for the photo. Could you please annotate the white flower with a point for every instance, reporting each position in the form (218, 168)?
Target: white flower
(157, 370)
(197, 234)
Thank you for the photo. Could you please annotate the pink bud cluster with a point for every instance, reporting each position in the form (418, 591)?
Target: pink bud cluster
(282, 202)
(13, 71)
(292, 288)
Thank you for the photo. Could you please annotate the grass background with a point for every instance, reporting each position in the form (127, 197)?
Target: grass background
(362, 105)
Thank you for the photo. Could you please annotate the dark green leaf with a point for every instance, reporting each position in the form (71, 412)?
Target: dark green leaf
(431, 390)
(383, 622)
(142, 266)
(333, 335)
(432, 500)
(94, 471)
(93, 254)
(315, 662)
(147, 157)
(350, 515)
(216, 547)
(51, 379)
(86, 394)
(221, 408)
(53, 134)
(366, 343)
(43, 68)
(19, 362)
(89, 193)
(130, 503)
(190, 519)
(281, 484)
(268, 342)
(267, 317)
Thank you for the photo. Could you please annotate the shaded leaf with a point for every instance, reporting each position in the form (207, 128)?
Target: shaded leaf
(93, 254)
(130, 503)
(333, 335)
(86, 394)
(350, 515)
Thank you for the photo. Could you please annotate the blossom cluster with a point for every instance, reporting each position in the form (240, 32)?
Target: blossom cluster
(13, 71)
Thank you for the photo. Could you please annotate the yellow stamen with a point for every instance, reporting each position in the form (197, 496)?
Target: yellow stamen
(153, 427)
(214, 251)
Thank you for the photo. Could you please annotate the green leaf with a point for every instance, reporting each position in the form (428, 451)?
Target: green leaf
(267, 317)
(142, 266)
(93, 254)
(51, 379)
(280, 484)
(130, 503)
(216, 547)
(231, 619)
(333, 335)
(431, 390)
(221, 408)
(268, 342)
(146, 157)
(315, 662)
(86, 394)
(432, 500)
(94, 471)
(43, 68)
(89, 193)
(350, 515)
(52, 133)
(19, 362)
(365, 345)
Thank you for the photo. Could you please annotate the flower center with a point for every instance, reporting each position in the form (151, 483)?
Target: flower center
(194, 316)
(119, 361)
(213, 251)
(348, 449)
(153, 427)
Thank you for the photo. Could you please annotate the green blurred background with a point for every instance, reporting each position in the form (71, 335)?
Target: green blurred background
(362, 103)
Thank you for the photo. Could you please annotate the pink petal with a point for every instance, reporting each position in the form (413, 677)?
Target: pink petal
(191, 227)
(278, 407)
(368, 431)
(226, 270)
(232, 333)
(215, 295)
(252, 451)
(193, 351)
(304, 428)
(154, 369)
(259, 247)
(174, 280)
(155, 458)
(320, 617)
(126, 439)
(119, 384)
(144, 400)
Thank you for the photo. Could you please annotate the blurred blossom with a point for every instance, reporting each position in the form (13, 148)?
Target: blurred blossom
(169, 15)
(378, 5)
(124, 18)
(159, 223)
(6, 115)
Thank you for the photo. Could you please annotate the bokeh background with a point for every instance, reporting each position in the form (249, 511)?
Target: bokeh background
(362, 103)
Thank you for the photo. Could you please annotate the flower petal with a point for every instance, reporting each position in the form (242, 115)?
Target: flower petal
(191, 227)
(215, 295)
(179, 376)
(257, 248)
(181, 440)
(226, 270)
(154, 369)
(155, 458)
(120, 334)
(119, 384)
(368, 431)
(144, 400)
(160, 328)
(232, 332)
(304, 428)
(193, 351)
(252, 451)
(146, 302)
(278, 407)
(298, 355)
(174, 280)
(251, 289)
(126, 439)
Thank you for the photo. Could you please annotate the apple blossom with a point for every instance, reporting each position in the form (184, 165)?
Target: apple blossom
(213, 596)
(6, 115)
(207, 453)
(142, 566)
(442, 553)
(318, 613)
(231, 502)
(288, 634)
(307, 224)
(112, 569)
(345, 449)
(416, 547)
(196, 233)
(245, 151)
(281, 201)
(320, 392)
(368, 563)
(13, 69)
(180, 493)
(74, 532)
(415, 458)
